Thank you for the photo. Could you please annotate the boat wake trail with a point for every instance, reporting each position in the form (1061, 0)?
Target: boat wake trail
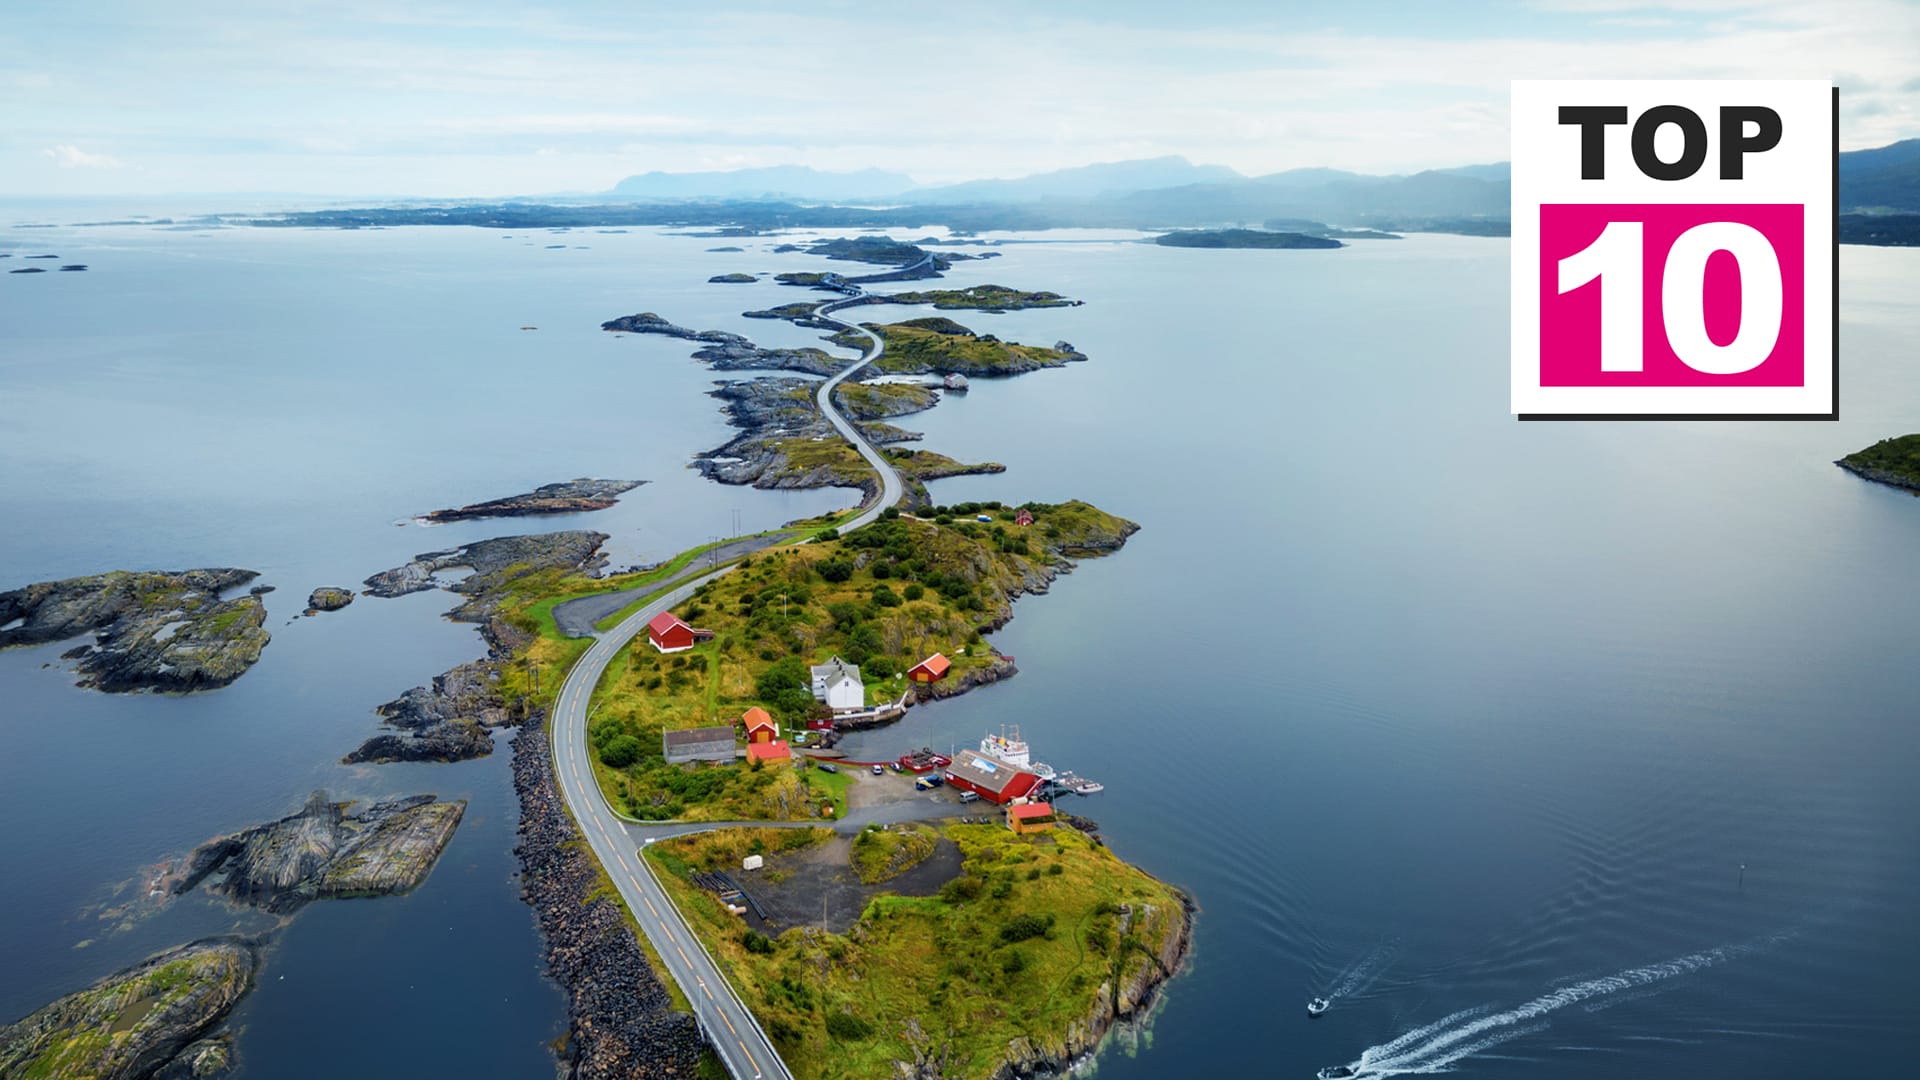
(1436, 1046)
(1362, 972)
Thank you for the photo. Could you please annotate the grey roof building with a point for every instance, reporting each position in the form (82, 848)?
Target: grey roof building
(699, 744)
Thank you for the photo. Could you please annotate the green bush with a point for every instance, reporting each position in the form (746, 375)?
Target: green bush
(914, 591)
(620, 752)
(1024, 926)
(885, 596)
(835, 569)
(827, 534)
(961, 889)
(1013, 963)
(756, 942)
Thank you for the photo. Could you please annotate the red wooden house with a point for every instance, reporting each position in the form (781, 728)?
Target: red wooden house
(932, 669)
(1024, 517)
(669, 634)
(995, 781)
(760, 727)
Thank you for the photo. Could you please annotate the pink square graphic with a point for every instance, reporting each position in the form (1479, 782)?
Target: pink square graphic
(1570, 322)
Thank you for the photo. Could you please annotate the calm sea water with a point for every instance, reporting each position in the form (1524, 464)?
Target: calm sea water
(1468, 723)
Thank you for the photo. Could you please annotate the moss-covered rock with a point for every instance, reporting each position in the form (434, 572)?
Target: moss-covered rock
(328, 598)
(135, 1022)
(161, 630)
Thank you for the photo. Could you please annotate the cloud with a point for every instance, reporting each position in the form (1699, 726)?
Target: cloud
(69, 156)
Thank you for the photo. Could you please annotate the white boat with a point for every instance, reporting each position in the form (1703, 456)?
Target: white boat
(1007, 748)
(1088, 787)
(1317, 1006)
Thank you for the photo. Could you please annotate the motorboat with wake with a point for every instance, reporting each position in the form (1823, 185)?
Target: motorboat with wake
(1317, 1006)
(1337, 1072)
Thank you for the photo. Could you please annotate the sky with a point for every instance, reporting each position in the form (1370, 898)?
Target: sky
(483, 98)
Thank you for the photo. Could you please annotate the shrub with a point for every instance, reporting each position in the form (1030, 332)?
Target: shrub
(827, 534)
(1013, 963)
(620, 752)
(882, 571)
(847, 1027)
(756, 942)
(914, 591)
(1025, 926)
(1056, 870)
(885, 596)
(835, 569)
(890, 513)
(961, 889)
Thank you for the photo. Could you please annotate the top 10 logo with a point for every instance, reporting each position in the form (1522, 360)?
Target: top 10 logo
(1673, 250)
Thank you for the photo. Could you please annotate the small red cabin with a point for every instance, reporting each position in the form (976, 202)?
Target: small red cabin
(668, 633)
(1024, 517)
(760, 727)
(932, 669)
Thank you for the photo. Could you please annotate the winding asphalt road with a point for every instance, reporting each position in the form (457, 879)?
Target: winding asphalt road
(729, 1025)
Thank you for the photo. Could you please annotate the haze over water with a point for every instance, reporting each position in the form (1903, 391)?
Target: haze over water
(1471, 720)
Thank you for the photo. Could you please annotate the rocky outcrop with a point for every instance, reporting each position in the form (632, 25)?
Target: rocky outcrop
(324, 851)
(136, 1023)
(621, 1020)
(328, 598)
(881, 401)
(729, 279)
(159, 630)
(730, 352)
(201, 1060)
(448, 721)
(566, 497)
(492, 562)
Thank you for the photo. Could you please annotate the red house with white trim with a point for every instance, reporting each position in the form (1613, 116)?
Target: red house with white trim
(995, 781)
(760, 727)
(932, 669)
(1024, 517)
(670, 635)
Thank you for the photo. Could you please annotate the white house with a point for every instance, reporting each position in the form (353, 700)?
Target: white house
(837, 683)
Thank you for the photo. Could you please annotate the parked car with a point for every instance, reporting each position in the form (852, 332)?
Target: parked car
(879, 770)
(969, 796)
(824, 767)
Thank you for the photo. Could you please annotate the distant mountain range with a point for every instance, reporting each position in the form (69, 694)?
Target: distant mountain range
(1171, 192)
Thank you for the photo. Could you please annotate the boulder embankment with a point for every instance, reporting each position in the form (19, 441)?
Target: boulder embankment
(140, 1022)
(324, 851)
(152, 630)
(620, 1018)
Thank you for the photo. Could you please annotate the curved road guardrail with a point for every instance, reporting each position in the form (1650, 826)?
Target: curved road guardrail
(744, 1048)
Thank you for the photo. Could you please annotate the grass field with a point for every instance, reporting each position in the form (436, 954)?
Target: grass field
(1023, 946)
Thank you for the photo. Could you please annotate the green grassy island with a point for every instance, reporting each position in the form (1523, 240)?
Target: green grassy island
(1243, 238)
(982, 298)
(1890, 461)
(883, 598)
(938, 344)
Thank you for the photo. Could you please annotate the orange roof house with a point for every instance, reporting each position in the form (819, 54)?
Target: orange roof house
(932, 669)
(1030, 817)
(776, 750)
(760, 726)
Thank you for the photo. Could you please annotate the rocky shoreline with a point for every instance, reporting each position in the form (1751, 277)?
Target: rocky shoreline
(620, 1017)
(724, 351)
(450, 719)
(565, 497)
(1126, 1004)
(153, 630)
(1881, 476)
